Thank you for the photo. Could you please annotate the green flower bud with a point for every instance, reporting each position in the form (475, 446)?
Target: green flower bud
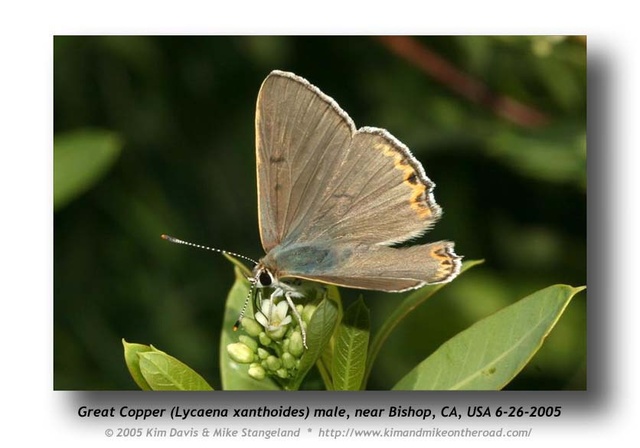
(288, 361)
(251, 327)
(296, 348)
(256, 371)
(264, 339)
(240, 352)
(307, 313)
(282, 373)
(262, 353)
(249, 342)
(273, 363)
(278, 333)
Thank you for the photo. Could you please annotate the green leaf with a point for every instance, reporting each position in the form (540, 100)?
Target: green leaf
(233, 375)
(153, 369)
(164, 372)
(410, 303)
(350, 350)
(491, 352)
(80, 160)
(131, 352)
(244, 270)
(319, 332)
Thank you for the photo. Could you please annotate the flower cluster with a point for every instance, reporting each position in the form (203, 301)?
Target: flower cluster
(273, 344)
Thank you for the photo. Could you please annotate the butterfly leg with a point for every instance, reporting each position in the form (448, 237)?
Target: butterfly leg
(288, 296)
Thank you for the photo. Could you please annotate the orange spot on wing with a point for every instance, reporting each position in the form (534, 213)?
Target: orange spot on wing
(418, 199)
(446, 261)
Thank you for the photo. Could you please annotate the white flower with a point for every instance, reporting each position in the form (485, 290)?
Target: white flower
(277, 315)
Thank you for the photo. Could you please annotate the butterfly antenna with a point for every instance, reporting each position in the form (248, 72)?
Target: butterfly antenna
(172, 239)
(253, 281)
(246, 303)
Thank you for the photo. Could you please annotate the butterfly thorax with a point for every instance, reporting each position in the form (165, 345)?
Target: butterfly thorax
(268, 276)
(298, 260)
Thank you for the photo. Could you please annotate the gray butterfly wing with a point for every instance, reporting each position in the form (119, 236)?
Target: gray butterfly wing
(300, 141)
(368, 267)
(321, 180)
(379, 194)
(332, 198)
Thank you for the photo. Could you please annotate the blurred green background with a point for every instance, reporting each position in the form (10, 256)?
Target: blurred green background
(156, 135)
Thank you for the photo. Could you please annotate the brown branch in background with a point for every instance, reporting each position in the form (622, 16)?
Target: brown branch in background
(461, 83)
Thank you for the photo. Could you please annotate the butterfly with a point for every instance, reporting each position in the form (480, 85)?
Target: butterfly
(334, 200)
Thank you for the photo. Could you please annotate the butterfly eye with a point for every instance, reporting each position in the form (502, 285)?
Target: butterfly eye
(265, 278)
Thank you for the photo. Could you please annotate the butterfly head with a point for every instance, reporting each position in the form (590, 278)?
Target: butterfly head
(263, 277)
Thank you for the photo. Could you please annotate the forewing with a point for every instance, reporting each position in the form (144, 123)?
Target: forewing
(301, 138)
(320, 180)
(379, 195)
